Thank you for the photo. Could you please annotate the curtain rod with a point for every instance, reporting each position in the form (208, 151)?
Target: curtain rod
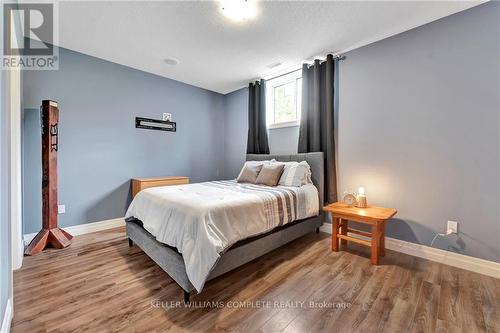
(338, 57)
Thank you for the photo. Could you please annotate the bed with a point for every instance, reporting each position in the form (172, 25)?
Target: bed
(205, 242)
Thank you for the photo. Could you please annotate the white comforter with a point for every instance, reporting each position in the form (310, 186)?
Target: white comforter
(204, 219)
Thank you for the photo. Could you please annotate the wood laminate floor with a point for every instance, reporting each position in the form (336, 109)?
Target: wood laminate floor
(99, 284)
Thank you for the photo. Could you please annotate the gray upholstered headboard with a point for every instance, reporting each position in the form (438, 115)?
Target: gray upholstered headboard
(315, 160)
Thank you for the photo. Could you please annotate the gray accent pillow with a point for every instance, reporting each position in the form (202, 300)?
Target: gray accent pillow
(253, 163)
(296, 174)
(270, 174)
(249, 173)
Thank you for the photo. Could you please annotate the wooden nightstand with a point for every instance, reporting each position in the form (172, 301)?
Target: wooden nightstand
(139, 184)
(374, 216)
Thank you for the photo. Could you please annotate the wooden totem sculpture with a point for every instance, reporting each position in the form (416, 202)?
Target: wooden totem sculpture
(50, 233)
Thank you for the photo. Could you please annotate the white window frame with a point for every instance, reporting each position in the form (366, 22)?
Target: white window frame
(271, 84)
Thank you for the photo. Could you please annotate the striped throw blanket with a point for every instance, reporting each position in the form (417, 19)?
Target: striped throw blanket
(202, 220)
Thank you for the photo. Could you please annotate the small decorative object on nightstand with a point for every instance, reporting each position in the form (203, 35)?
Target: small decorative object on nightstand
(374, 216)
(139, 184)
(349, 198)
(361, 198)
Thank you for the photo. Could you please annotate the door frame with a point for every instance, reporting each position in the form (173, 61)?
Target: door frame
(16, 190)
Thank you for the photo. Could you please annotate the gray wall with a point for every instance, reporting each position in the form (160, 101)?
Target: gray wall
(5, 245)
(100, 149)
(32, 170)
(281, 140)
(419, 127)
(235, 143)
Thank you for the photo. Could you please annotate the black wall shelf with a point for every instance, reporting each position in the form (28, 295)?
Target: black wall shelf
(155, 124)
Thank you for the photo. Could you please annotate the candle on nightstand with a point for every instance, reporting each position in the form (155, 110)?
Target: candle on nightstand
(361, 198)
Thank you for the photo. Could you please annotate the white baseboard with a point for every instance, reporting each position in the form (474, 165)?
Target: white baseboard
(17, 261)
(469, 263)
(477, 265)
(82, 229)
(7, 317)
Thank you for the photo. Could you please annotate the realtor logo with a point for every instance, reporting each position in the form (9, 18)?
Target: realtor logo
(28, 36)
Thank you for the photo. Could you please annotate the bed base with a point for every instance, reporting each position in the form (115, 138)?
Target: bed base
(239, 254)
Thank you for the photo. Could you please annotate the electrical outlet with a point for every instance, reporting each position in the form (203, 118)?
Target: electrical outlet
(167, 117)
(452, 228)
(61, 209)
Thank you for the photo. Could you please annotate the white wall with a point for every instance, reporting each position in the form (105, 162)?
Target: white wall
(13, 100)
(14, 107)
(11, 247)
(5, 230)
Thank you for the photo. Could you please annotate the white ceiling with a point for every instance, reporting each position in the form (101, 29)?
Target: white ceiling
(220, 55)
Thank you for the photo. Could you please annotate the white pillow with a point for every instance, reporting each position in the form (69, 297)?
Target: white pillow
(296, 174)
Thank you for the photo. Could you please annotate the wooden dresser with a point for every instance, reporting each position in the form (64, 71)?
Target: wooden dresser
(139, 184)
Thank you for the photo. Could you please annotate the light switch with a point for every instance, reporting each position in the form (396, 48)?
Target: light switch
(452, 228)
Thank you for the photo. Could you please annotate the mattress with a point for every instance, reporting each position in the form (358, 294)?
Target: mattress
(202, 220)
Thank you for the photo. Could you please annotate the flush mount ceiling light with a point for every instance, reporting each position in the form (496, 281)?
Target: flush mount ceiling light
(171, 61)
(239, 10)
(274, 65)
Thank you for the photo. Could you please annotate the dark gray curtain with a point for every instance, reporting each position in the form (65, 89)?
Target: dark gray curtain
(257, 132)
(317, 120)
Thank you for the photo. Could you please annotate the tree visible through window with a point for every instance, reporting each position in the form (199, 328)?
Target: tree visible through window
(283, 100)
(284, 103)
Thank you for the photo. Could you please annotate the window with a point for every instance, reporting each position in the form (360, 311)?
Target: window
(283, 100)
